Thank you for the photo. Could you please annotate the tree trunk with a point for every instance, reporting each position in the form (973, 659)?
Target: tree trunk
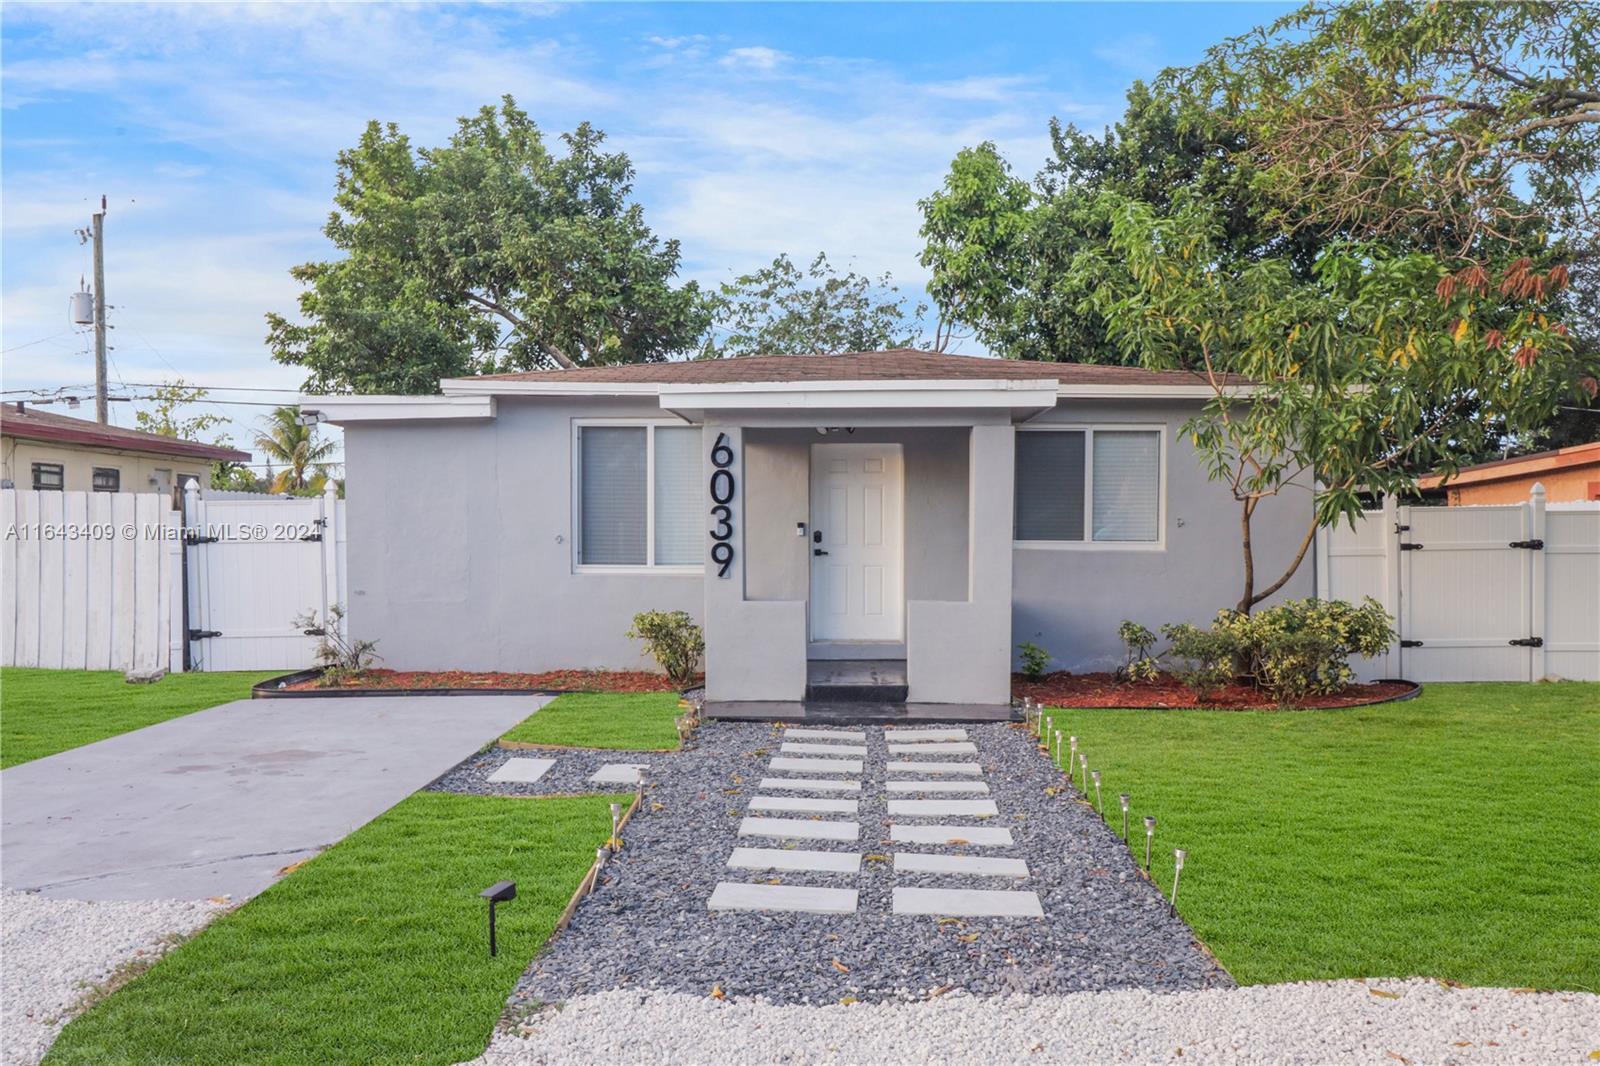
(1248, 600)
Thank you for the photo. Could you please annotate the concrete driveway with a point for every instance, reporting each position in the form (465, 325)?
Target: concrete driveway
(217, 802)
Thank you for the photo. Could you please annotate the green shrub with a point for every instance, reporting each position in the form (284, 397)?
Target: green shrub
(341, 657)
(1200, 658)
(1137, 665)
(673, 640)
(1035, 660)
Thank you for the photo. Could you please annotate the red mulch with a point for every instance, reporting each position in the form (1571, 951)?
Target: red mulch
(1063, 689)
(575, 680)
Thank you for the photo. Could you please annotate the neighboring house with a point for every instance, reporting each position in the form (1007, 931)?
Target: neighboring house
(1567, 474)
(896, 505)
(43, 450)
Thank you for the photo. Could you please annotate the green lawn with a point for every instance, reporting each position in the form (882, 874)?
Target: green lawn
(46, 711)
(630, 721)
(375, 951)
(1456, 835)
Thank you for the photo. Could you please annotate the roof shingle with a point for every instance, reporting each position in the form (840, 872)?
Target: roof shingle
(18, 420)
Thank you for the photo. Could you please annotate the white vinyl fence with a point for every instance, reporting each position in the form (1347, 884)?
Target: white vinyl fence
(1502, 593)
(118, 581)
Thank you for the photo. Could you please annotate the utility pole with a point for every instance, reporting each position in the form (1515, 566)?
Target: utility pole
(99, 227)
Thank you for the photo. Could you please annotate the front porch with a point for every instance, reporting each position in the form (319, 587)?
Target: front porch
(859, 563)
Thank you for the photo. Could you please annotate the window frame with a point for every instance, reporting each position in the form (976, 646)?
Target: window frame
(94, 478)
(1088, 543)
(61, 474)
(649, 566)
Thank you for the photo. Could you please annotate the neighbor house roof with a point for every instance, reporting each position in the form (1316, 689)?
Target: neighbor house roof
(1518, 466)
(18, 420)
(894, 364)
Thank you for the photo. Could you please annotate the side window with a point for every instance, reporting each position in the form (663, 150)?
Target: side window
(107, 479)
(49, 477)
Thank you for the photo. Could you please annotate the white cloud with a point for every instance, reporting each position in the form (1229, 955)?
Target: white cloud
(756, 57)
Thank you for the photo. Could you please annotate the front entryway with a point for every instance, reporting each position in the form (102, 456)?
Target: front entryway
(857, 557)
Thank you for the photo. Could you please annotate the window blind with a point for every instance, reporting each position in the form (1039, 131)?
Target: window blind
(1127, 485)
(680, 533)
(1049, 489)
(613, 468)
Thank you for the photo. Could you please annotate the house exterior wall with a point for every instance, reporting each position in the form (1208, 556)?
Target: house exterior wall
(461, 552)
(140, 471)
(1069, 601)
(461, 546)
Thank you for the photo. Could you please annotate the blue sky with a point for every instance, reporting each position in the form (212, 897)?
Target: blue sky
(756, 129)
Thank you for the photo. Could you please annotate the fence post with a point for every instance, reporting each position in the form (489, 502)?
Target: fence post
(1536, 581)
(330, 548)
(1394, 516)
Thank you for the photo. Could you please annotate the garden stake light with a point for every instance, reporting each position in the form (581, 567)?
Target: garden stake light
(1100, 806)
(1149, 835)
(616, 826)
(1072, 756)
(1058, 747)
(499, 892)
(1124, 798)
(1178, 855)
(1083, 764)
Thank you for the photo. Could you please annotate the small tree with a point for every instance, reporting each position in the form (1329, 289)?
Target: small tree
(285, 439)
(165, 418)
(1379, 367)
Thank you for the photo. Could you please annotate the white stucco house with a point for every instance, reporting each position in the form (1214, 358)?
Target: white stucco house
(913, 509)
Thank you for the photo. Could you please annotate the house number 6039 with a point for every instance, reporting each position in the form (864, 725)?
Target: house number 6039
(721, 504)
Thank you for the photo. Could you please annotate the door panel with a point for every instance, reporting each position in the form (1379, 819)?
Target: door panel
(857, 582)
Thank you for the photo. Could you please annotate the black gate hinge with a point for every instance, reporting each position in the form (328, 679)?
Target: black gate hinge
(202, 634)
(192, 537)
(1531, 545)
(1401, 527)
(1411, 643)
(312, 536)
(1410, 546)
(315, 631)
(1527, 642)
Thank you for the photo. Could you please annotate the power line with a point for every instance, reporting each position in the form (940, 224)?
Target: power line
(41, 340)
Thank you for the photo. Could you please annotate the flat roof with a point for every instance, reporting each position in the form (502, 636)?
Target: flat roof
(1576, 455)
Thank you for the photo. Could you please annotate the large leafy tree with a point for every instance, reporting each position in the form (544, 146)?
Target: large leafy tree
(782, 309)
(999, 248)
(489, 253)
(1376, 367)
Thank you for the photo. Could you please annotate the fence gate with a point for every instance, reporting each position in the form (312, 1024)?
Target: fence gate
(1466, 593)
(254, 566)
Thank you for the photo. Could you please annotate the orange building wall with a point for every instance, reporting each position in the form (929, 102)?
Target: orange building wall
(1560, 486)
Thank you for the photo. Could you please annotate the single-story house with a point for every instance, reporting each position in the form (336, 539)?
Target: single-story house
(46, 451)
(905, 506)
(1568, 475)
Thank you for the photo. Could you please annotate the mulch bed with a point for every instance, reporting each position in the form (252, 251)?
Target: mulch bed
(566, 680)
(1063, 689)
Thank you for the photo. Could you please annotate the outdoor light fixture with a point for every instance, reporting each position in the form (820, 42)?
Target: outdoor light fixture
(1083, 765)
(1072, 755)
(1124, 798)
(499, 892)
(1099, 805)
(1058, 747)
(1178, 855)
(616, 825)
(1149, 835)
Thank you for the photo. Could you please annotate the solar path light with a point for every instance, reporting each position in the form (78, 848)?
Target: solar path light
(616, 826)
(1058, 747)
(1072, 756)
(1083, 765)
(1099, 804)
(1178, 855)
(1149, 835)
(499, 892)
(1124, 798)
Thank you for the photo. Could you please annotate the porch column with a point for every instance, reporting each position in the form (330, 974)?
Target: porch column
(960, 652)
(755, 649)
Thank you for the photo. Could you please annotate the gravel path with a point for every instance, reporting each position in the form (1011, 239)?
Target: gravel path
(649, 927)
(569, 775)
(56, 951)
(1282, 1025)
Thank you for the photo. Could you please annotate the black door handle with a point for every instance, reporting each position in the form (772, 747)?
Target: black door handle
(818, 551)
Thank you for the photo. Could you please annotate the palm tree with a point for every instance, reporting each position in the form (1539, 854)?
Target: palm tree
(284, 439)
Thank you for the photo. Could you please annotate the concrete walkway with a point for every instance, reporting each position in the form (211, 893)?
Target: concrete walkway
(217, 802)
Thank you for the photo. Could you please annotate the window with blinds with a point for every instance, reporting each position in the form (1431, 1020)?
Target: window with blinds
(1088, 485)
(639, 498)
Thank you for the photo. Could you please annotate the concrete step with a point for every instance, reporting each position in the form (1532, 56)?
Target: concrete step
(980, 836)
(943, 808)
(962, 865)
(809, 747)
(804, 804)
(732, 896)
(967, 903)
(808, 784)
(521, 771)
(837, 862)
(965, 769)
(853, 736)
(799, 829)
(939, 786)
(917, 736)
(856, 681)
(934, 747)
(816, 766)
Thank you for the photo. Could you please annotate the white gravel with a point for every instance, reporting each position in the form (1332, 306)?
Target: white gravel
(1311, 1023)
(53, 952)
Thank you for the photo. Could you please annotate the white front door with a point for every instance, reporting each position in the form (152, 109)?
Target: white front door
(857, 582)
